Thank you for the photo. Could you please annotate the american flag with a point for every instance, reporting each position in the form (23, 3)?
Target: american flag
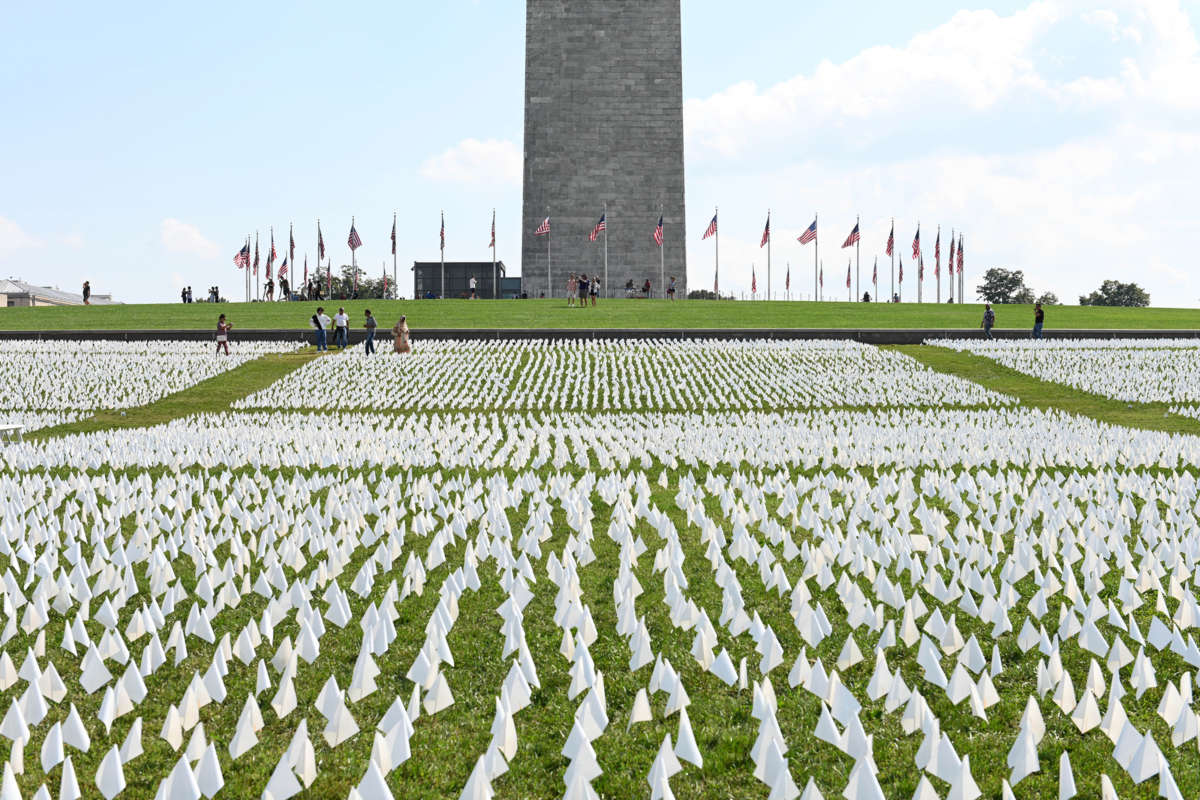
(921, 267)
(852, 239)
(393, 235)
(242, 259)
(291, 244)
(901, 269)
(766, 233)
(937, 254)
(753, 281)
(493, 242)
(306, 269)
(787, 280)
(544, 228)
(658, 232)
(917, 243)
(283, 268)
(891, 240)
(320, 244)
(821, 276)
(354, 240)
(271, 258)
(600, 226)
(810, 234)
(712, 229)
(256, 254)
(875, 273)
(960, 255)
(442, 233)
(847, 274)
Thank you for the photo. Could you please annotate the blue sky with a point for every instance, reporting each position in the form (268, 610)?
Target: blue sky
(144, 141)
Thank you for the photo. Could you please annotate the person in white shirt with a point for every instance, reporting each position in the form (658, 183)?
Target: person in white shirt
(341, 323)
(320, 323)
(473, 296)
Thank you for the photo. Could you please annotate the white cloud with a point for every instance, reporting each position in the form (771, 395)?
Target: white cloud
(974, 60)
(73, 241)
(1072, 170)
(12, 238)
(180, 237)
(472, 161)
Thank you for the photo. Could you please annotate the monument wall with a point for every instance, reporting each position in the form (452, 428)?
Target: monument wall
(603, 123)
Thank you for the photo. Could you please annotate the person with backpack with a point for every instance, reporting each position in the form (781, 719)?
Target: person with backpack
(989, 321)
(1039, 317)
(370, 325)
(320, 324)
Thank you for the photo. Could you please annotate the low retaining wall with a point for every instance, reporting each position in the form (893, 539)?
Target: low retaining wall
(882, 336)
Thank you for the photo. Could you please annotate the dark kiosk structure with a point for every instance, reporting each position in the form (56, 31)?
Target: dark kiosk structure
(427, 279)
(603, 125)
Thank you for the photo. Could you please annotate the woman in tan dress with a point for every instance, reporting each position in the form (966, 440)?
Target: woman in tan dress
(400, 337)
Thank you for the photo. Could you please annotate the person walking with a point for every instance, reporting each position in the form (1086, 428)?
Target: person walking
(87, 293)
(270, 290)
(594, 289)
(473, 296)
(583, 290)
(1039, 317)
(370, 325)
(183, 295)
(341, 322)
(989, 321)
(400, 343)
(285, 290)
(572, 281)
(320, 324)
(671, 289)
(223, 329)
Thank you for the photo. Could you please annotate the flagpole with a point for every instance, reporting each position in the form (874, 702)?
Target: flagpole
(962, 289)
(768, 254)
(816, 262)
(662, 255)
(937, 264)
(549, 286)
(495, 274)
(858, 259)
(717, 256)
(395, 273)
(950, 267)
(442, 246)
(606, 244)
(893, 294)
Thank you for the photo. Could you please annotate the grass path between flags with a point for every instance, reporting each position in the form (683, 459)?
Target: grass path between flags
(213, 395)
(1042, 394)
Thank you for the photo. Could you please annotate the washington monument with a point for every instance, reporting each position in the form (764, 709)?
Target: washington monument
(603, 135)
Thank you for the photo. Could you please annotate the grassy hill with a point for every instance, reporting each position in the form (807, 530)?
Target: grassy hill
(648, 314)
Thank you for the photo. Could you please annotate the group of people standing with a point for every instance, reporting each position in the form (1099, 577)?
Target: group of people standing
(579, 285)
(340, 323)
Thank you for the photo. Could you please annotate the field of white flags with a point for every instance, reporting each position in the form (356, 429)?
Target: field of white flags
(57, 381)
(489, 587)
(1133, 370)
(634, 374)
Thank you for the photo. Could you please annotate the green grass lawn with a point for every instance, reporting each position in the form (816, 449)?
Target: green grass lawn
(646, 314)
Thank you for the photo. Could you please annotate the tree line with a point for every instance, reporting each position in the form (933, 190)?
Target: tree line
(1004, 286)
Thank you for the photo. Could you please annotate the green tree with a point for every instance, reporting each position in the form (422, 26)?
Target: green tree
(343, 286)
(1023, 297)
(1003, 286)
(1049, 299)
(1115, 293)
